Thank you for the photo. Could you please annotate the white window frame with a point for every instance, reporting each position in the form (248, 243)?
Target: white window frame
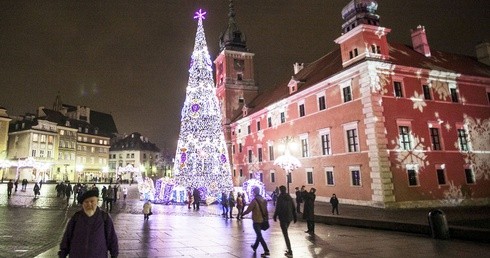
(329, 169)
(351, 171)
(308, 171)
(350, 126)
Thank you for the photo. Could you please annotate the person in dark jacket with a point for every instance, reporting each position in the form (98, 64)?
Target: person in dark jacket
(197, 199)
(286, 212)
(309, 210)
(37, 190)
(258, 207)
(90, 231)
(335, 204)
(299, 199)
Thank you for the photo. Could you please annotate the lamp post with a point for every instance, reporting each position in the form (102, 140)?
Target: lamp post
(287, 161)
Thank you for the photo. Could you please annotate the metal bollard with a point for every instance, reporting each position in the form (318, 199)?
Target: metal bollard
(438, 224)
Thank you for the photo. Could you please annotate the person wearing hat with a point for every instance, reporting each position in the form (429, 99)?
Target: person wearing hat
(90, 231)
(309, 210)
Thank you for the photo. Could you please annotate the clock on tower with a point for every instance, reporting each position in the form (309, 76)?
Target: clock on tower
(239, 64)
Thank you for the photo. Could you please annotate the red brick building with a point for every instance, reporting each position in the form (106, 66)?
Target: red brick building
(378, 123)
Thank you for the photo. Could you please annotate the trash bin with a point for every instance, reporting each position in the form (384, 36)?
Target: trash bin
(438, 224)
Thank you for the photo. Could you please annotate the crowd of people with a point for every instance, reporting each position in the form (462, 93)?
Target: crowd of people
(287, 210)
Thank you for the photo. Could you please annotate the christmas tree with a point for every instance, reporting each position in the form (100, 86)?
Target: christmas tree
(202, 157)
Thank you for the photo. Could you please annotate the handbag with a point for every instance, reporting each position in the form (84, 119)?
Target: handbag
(265, 223)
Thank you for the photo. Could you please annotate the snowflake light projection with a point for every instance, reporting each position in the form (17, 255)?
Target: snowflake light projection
(453, 196)
(479, 136)
(202, 155)
(410, 157)
(418, 101)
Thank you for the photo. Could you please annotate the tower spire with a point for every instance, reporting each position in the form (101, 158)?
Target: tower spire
(57, 103)
(232, 38)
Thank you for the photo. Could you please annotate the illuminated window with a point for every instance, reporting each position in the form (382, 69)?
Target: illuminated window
(404, 134)
(435, 138)
(321, 103)
(62, 132)
(35, 137)
(427, 93)
(398, 89)
(43, 138)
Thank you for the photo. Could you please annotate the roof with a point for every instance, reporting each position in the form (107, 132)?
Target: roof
(400, 54)
(134, 141)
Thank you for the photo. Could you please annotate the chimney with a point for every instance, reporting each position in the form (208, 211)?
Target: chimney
(298, 67)
(483, 52)
(419, 41)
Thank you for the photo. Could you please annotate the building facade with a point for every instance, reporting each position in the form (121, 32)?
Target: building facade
(376, 122)
(60, 144)
(134, 155)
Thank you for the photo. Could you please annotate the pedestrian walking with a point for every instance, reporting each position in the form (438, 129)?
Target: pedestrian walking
(309, 210)
(125, 192)
(275, 194)
(335, 204)
(239, 206)
(104, 197)
(16, 183)
(147, 210)
(197, 199)
(24, 184)
(40, 184)
(190, 198)
(37, 190)
(109, 198)
(90, 231)
(258, 207)
(224, 205)
(299, 200)
(10, 185)
(231, 203)
(75, 191)
(286, 212)
(68, 192)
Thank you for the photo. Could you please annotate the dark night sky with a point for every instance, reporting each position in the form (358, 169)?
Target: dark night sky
(131, 58)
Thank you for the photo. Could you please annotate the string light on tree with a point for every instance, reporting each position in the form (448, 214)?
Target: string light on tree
(202, 156)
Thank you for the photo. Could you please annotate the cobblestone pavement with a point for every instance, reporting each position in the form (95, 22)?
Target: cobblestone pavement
(31, 228)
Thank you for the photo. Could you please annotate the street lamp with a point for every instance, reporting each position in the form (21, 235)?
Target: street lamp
(287, 161)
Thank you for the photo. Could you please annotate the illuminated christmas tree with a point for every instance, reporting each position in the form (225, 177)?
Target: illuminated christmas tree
(202, 157)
